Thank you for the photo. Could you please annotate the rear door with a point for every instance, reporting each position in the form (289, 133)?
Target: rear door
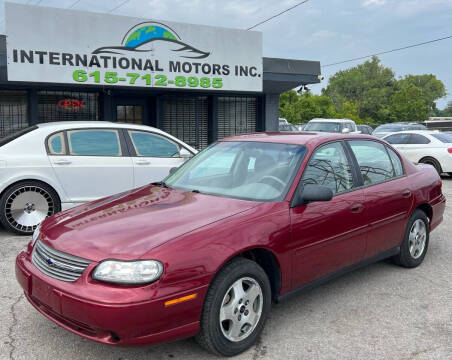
(328, 236)
(90, 163)
(387, 197)
(153, 156)
(417, 147)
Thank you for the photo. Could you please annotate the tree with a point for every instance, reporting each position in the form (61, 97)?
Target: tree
(299, 109)
(368, 85)
(407, 104)
(369, 93)
(447, 111)
(432, 88)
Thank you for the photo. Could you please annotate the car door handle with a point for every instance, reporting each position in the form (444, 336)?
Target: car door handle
(143, 162)
(62, 162)
(406, 194)
(356, 208)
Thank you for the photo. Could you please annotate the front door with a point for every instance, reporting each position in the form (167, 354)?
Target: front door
(328, 236)
(153, 156)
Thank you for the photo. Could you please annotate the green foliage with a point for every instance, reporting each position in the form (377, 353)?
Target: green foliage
(368, 93)
(446, 112)
(407, 104)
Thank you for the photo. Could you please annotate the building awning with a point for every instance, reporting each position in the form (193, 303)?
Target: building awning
(284, 74)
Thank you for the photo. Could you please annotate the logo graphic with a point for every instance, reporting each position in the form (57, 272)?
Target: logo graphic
(59, 265)
(148, 36)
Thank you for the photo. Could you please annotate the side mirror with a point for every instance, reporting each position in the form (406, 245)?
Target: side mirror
(185, 154)
(345, 130)
(312, 193)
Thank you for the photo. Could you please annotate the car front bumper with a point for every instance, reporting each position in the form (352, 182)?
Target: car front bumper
(121, 323)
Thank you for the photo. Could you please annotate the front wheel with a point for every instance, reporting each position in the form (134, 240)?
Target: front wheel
(235, 308)
(24, 205)
(415, 243)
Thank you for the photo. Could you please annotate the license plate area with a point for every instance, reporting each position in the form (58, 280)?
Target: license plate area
(46, 294)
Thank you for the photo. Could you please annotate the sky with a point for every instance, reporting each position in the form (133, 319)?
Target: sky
(324, 30)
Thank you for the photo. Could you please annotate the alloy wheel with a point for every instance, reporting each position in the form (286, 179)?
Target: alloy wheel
(241, 309)
(27, 206)
(417, 239)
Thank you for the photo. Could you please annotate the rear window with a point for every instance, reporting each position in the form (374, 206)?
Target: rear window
(444, 138)
(16, 135)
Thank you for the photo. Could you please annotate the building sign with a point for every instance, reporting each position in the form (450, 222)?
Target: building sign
(66, 46)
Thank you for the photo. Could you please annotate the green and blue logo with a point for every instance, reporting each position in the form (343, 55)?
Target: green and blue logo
(142, 37)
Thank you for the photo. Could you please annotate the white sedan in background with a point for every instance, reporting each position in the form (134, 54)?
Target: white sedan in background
(426, 147)
(54, 166)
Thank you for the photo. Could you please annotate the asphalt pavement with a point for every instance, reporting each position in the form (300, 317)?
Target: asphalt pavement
(378, 312)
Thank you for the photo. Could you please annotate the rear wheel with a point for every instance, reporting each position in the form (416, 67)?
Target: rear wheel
(433, 162)
(235, 308)
(24, 205)
(415, 243)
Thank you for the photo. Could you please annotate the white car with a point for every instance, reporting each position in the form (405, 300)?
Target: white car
(343, 126)
(423, 146)
(54, 166)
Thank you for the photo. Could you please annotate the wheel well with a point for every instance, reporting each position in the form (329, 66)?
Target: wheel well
(38, 181)
(428, 158)
(267, 260)
(427, 209)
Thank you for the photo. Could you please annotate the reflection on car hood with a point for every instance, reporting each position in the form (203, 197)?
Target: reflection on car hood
(128, 225)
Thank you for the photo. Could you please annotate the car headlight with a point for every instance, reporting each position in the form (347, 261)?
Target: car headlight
(128, 272)
(35, 235)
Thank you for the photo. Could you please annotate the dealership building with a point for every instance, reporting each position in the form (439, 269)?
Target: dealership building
(198, 83)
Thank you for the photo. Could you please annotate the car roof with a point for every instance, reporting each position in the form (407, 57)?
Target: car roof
(296, 138)
(93, 124)
(331, 120)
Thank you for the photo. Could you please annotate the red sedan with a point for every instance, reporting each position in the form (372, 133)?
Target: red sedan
(250, 220)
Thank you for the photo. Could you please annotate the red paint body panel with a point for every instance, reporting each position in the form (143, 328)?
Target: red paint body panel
(194, 235)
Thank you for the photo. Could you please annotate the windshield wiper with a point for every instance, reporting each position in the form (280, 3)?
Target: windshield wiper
(161, 183)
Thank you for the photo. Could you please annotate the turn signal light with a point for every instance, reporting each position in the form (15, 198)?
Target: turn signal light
(449, 150)
(179, 300)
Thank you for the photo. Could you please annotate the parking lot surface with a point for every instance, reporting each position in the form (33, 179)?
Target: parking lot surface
(378, 312)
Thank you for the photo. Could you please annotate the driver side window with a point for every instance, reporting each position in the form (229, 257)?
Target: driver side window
(329, 166)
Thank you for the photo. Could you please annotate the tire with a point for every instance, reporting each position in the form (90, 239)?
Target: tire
(433, 162)
(415, 242)
(25, 204)
(222, 337)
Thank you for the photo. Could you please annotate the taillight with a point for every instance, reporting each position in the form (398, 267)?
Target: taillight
(449, 150)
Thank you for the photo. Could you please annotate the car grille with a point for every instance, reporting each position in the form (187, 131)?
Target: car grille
(57, 264)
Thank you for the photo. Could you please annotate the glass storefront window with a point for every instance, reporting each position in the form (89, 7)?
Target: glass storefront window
(67, 105)
(13, 111)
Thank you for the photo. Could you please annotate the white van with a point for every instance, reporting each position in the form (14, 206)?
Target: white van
(332, 126)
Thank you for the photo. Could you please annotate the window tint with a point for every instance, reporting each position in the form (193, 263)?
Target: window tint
(398, 139)
(329, 166)
(418, 139)
(396, 162)
(153, 145)
(95, 142)
(373, 161)
(444, 138)
(56, 144)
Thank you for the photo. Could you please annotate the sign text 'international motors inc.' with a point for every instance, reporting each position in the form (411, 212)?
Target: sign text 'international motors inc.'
(64, 46)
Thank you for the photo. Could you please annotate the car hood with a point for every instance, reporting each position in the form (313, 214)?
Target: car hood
(128, 225)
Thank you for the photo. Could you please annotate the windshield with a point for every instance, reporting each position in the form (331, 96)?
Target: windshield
(244, 170)
(287, 127)
(331, 127)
